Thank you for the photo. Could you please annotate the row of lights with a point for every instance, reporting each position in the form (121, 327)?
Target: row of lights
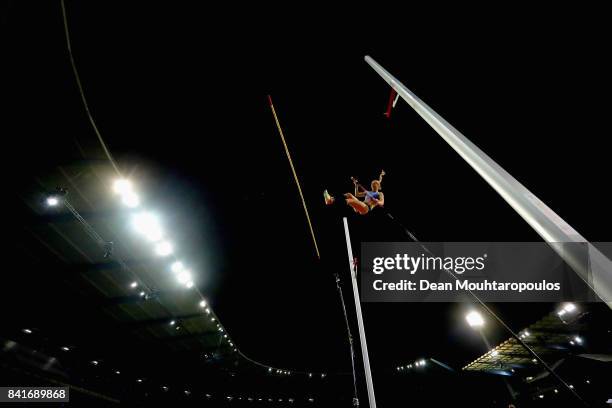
(419, 363)
(571, 386)
(278, 371)
(148, 225)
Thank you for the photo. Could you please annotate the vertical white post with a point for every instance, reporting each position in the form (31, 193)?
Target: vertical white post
(362, 338)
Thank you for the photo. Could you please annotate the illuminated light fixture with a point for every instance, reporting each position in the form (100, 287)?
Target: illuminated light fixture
(177, 267)
(202, 303)
(142, 293)
(588, 381)
(131, 199)
(309, 375)
(474, 319)
(164, 388)
(212, 319)
(189, 285)
(133, 285)
(225, 335)
(117, 372)
(207, 310)
(178, 328)
(571, 386)
(541, 396)
(578, 339)
(172, 322)
(269, 369)
(163, 248)
(533, 360)
(556, 391)
(94, 362)
(183, 276)
(139, 380)
(122, 186)
(526, 333)
(494, 353)
(569, 307)
(65, 348)
(27, 331)
(422, 362)
(52, 201)
(572, 342)
(529, 378)
(323, 375)
(148, 225)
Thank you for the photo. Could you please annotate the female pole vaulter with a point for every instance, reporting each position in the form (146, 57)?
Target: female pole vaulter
(372, 198)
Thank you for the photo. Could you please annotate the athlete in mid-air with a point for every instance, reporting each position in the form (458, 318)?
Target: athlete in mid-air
(372, 198)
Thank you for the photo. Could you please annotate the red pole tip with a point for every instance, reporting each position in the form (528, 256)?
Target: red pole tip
(270, 100)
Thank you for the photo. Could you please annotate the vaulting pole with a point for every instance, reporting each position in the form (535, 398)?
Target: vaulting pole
(362, 338)
(586, 260)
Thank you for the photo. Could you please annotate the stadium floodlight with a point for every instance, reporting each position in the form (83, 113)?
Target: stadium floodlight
(52, 201)
(147, 224)
(567, 308)
(163, 248)
(183, 276)
(122, 186)
(131, 199)
(474, 319)
(177, 267)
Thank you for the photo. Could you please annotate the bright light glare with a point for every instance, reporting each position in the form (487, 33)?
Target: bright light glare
(122, 186)
(133, 284)
(494, 353)
(148, 225)
(27, 331)
(578, 339)
(163, 248)
(189, 285)
(131, 199)
(176, 267)
(474, 319)
(569, 307)
(203, 303)
(183, 277)
(52, 201)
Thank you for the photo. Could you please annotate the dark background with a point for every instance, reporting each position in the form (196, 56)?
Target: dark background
(179, 94)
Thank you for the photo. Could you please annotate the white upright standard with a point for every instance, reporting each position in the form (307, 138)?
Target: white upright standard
(587, 261)
(362, 338)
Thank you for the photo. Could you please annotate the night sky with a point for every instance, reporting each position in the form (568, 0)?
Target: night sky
(180, 96)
